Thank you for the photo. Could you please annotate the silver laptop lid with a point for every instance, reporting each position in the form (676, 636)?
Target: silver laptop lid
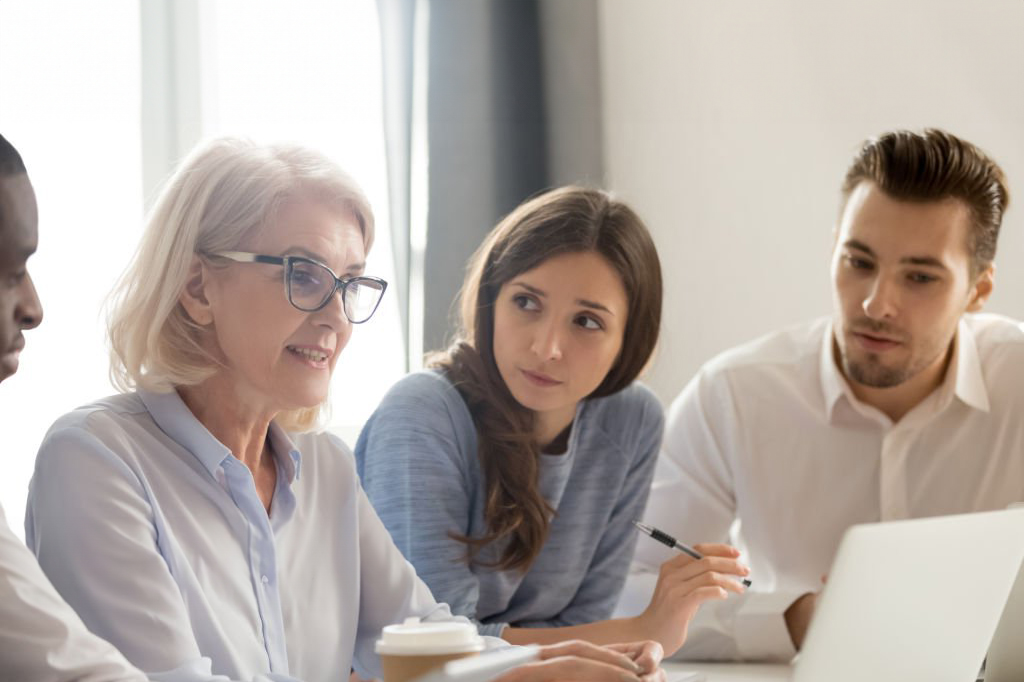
(1006, 655)
(914, 600)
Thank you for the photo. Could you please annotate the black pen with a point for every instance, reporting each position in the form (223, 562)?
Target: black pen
(669, 541)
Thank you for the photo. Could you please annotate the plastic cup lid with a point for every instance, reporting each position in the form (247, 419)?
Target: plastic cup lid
(417, 637)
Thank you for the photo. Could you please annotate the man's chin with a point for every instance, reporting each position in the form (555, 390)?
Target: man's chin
(874, 375)
(8, 366)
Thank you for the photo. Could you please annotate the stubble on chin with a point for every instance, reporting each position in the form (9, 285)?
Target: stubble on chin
(872, 373)
(867, 370)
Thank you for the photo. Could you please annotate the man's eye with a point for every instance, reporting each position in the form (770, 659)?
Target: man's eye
(921, 278)
(16, 278)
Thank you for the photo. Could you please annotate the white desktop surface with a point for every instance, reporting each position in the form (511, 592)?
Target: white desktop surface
(731, 672)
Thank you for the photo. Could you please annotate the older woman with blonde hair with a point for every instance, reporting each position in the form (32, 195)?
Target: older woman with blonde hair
(195, 521)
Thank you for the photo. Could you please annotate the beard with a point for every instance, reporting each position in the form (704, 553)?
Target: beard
(870, 372)
(868, 369)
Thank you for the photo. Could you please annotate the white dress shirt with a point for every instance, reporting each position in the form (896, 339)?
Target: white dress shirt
(770, 436)
(41, 638)
(153, 531)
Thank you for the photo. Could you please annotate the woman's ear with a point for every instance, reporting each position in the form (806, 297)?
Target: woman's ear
(193, 297)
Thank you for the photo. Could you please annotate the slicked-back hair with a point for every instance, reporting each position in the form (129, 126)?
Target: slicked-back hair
(10, 159)
(934, 165)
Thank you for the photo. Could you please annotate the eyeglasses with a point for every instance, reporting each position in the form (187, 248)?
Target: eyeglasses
(310, 285)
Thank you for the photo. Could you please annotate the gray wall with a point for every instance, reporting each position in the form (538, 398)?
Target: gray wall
(729, 124)
(514, 107)
(486, 136)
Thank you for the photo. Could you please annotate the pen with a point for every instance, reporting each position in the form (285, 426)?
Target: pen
(669, 541)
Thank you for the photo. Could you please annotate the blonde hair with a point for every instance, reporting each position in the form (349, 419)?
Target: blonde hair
(223, 192)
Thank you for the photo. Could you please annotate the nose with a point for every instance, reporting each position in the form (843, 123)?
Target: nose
(333, 315)
(547, 341)
(29, 311)
(882, 301)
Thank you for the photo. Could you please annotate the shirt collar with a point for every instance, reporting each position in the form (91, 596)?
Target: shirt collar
(174, 418)
(970, 380)
(280, 442)
(963, 376)
(833, 384)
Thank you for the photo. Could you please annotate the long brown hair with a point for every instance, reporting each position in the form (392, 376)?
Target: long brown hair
(565, 220)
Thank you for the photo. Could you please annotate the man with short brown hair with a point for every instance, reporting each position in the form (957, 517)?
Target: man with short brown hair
(905, 403)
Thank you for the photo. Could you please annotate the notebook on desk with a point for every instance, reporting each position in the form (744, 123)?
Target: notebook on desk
(689, 676)
(490, 665)
(914, 600)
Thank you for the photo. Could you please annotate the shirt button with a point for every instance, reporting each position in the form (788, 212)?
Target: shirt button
(265, 580)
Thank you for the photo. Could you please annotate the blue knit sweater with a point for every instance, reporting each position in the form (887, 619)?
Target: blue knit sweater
(417, 457)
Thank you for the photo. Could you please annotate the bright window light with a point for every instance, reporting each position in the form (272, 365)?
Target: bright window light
(70, 104)
(310, 72)
(306, 72)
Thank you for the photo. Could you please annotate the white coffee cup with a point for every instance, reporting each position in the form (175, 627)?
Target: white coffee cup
(414, 648)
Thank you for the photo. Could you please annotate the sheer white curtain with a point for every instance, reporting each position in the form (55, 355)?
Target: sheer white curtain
(71, 102)
(310, 72)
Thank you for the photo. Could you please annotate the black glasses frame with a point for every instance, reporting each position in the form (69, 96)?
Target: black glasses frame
(288, 262)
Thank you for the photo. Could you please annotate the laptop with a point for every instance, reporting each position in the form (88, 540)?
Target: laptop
(1005, 662)
(915, 600)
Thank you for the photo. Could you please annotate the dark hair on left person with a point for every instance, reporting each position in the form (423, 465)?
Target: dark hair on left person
(10, 159)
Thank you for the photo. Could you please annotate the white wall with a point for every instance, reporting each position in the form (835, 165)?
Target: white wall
(728, 125)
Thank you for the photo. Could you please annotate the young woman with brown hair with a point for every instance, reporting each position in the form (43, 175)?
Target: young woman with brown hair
(510, 472)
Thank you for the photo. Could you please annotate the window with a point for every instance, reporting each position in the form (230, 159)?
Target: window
(310, 72)
(73, 104)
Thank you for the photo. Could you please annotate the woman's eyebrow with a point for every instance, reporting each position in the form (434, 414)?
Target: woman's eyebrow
(532, 290)
(596, 306)
(356, 268)
(300, 251)
(579, 301)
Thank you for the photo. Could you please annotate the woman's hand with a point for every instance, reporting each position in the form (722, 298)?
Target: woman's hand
(579, 661)
(647, 654)
(683, 585)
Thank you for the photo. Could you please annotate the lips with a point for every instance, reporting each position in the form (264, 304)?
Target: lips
(312, 355)
(876, 342)
(539, 378)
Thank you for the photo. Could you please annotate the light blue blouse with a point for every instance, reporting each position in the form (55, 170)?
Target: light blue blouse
(154, 533)
(417, 457)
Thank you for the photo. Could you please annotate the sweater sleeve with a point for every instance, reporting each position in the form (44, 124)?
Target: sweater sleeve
(414, 457)
(636, 434)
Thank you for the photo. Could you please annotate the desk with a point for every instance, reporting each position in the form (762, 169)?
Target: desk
(732, 672)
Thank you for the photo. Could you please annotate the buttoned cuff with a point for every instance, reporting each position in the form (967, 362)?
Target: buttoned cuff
(761, 632)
